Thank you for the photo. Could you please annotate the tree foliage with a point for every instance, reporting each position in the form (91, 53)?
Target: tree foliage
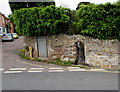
(99, 21)
(18, 5)
(83, 3)
(41, 21)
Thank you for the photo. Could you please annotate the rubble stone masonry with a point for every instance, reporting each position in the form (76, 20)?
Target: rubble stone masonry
(101, 53)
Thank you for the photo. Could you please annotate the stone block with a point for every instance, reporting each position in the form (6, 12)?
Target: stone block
(74, 53)
(114, 66)
(94, 60)
(71, 56)
(106, 66)
(65, 59)
(53, 57)
(72, 60)
(97, 63)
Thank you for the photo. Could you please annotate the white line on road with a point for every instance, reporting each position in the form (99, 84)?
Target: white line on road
(77, 70)
(55, 68)
(34, 71)
(12, 71)
(73, 67)
(17, 69)
(1, 69)
(97, 69)
(37, 68)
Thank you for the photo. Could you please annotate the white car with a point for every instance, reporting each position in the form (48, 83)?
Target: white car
(7, 37)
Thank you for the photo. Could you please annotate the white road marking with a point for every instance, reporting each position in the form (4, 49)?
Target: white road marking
(77, 70)
(73, 67)
(55, 68)
(12, 71)
(37, 68)
(17, 69)
(34, 71)
(97, 69)
(111, 71)
(1, 69)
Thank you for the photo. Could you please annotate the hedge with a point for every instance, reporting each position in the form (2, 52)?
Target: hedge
(99, 21)
(41, 21)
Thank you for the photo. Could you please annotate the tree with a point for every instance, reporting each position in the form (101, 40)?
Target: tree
(25, 4)
(83, 3)
(118, 2)
(99, 21)
(10, 17)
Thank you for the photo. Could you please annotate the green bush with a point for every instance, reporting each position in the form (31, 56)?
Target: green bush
(99, 21)
(41, 21)
(58, 61)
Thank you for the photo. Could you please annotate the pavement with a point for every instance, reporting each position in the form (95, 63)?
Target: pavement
(60, 81)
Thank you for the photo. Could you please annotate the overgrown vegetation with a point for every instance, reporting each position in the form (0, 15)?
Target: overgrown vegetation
(56, 61)
(26, 4)
(99, 21)
(84, 3)
(41, 21)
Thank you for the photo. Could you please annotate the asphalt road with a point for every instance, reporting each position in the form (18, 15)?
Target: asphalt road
(60, 81)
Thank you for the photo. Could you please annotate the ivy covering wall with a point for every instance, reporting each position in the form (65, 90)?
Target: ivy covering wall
(41, 21)
(99, 21)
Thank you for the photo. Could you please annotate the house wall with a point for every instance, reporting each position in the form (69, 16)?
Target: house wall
(11, 28)
(4, 21)
(0, 20)
(101, 53)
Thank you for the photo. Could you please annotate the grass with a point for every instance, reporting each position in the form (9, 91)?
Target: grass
(56, 61)
(22, 56)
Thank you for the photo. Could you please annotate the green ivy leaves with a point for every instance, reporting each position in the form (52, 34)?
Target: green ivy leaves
(41, 21)
(99, 21)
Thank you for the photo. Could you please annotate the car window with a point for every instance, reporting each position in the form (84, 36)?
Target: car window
(7, 34)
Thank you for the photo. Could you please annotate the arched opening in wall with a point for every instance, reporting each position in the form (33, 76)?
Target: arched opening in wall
(80, 52)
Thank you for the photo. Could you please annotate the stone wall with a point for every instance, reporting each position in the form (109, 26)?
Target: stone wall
(101, 53)
(31, 41)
